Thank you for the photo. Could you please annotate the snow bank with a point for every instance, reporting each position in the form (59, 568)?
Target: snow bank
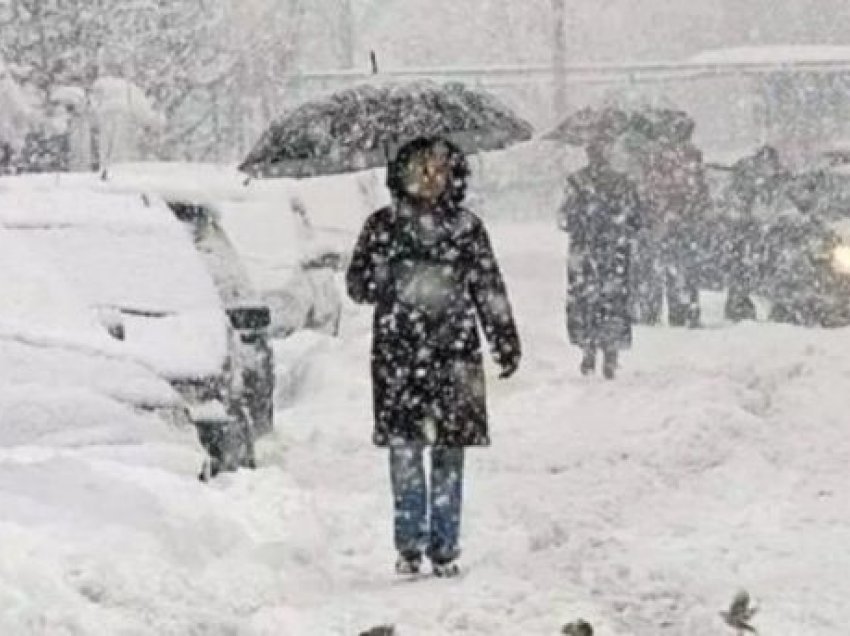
(717, 460)
(717, 451)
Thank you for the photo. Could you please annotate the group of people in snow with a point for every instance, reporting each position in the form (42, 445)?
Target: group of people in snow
(631, 245)
(426, 264)
(639, 239)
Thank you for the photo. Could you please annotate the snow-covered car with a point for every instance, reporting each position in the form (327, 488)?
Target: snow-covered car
(170, 299)
(291, 236)
(63, 380)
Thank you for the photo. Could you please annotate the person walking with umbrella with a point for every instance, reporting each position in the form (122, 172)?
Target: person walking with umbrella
(426, 264)
(601, 212)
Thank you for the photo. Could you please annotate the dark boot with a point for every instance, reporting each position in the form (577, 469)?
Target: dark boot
(609, 364)
(445, 569)
(588, 362)
(408, 563)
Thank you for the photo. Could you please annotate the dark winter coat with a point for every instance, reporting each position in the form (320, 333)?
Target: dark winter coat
(430, 280)
(601, 212)
(673, 188)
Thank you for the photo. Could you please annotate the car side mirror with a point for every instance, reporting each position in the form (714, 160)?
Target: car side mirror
(249, 317)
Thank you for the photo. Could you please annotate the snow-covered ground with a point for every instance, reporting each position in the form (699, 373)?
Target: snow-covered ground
(716, 461)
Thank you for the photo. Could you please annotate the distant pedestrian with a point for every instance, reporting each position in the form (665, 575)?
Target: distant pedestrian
(675, 198)
(757, 192)
(601, 213)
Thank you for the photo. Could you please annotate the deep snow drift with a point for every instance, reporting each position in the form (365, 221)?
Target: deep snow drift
(716, 461)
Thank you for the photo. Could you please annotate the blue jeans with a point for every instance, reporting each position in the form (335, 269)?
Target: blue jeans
(427, 521)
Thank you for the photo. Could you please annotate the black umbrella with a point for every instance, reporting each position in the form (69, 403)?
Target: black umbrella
(591, 125)
(360, 128)
(606, 124)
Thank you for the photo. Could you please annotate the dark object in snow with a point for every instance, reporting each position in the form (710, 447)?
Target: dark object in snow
(577, 628)
(431, 275)
(588, 361)
(780, 236)
(591, 125)
(245, 388)
(804, 270)
(380, 630)
(427, 507)
(740, 613)
(759, 174)
(426, 264)
(795, 259)
(362, 127)
(249, 317)
(448, 570)
(739, 306)
(609, 364)
(602, 214)
(759, 182)
(408, 564)
(44, 152)
(672, 186)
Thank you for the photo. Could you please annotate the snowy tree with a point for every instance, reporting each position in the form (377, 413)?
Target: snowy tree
(200, 63)
(16, 114)
(259, 43)
(124, 117)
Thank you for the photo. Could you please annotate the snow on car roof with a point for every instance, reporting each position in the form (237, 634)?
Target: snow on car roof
(335, 202)
(78, 200)
(36, 298)
(181, 182)
(124, 252)
(49, 338)
(259, 216)
(115, 248)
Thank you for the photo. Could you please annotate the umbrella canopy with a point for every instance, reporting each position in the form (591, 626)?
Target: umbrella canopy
(607, 123)
(360, 128)
(591, 125)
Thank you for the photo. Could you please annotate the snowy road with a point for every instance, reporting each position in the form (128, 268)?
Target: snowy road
(718, 460)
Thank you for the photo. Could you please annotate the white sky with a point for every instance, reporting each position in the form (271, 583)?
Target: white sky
(449, 32)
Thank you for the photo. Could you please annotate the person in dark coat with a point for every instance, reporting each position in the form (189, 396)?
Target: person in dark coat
(675, 195)
(601, 213)
(758, 186)
(427, 265)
